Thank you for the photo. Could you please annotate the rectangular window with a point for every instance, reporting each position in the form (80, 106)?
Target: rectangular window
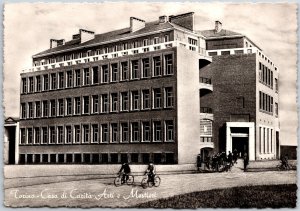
(46, 82)
(146, 68)
(45, 108)
(276, 84)
(134, 69)
(276, 109)
(146, 131)
(61, 80)
(77, 134)
(105, 103)
(169, 130)
(60, 134)
(30, 110)
(37, 135)
(60, 107)
(38, 83)
(37, 109)
(95, 108)
(124, 132)
(77, 78)
(145, 42)
(104, 133)
(52, 108)
(52, 135)
(104, 74)
(114, 132)
(69, 78)
(124, 101)
(135, 100)
(95, 133)
(86, 104)
(157, 98)
(124, 71)
(53, 81)
(114, 72)
(169, 99)
(31, 85)
(24, 85)
(69, 106)
(114, 102)
(44, 135)
(86, 133)
(23, 110)
(77, 109)
(29, 136)
(166, 38)
(157, 132)
(146, 99)
(134, 131)
(23, 136)
(86, 76)
(69, 135)
(95, 75)
(156, 66)
(169, 64)
(156, 40)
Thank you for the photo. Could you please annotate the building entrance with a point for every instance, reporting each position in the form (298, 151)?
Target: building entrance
(241, 145)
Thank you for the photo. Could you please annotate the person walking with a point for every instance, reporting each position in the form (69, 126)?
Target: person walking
(235, 156)
(229, 158)
(246, 161)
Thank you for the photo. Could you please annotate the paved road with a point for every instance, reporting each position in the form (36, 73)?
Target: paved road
(100, 192)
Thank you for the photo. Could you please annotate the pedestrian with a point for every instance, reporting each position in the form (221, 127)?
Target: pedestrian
(207, 161)
(235, 156)
(246, 161)
(199, 161)
(229, 158)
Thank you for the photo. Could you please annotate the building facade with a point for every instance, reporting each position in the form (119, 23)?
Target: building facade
(151, 92)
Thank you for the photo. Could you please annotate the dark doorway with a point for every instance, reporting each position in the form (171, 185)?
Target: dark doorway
(277, 145)
(241, 145)
(11, 131)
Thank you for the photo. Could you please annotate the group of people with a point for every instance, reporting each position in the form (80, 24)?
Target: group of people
(125, 169)
(221, 161)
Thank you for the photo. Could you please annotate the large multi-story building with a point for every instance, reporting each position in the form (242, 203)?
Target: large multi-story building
(156, 91)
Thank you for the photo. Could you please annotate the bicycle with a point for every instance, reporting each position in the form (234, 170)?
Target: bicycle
(148, 182)
(122, 179)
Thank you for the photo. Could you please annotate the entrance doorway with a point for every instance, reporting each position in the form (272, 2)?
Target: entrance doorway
(11, 131)
(241, 145)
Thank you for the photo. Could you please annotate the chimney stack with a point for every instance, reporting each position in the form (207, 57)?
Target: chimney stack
(86, 35)
(136, 24)
(55, 43)
(185, 20)
(163, 19)
(218, 26)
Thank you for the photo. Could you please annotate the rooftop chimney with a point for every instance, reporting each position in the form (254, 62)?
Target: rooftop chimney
(86, 35)
(136, 24)
(163, 19)
(218, 26)
(55, 43)
(185, 20)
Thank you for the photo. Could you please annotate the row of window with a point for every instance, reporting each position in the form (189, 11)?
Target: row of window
(266, 140)
(123, 132)
(104, 50)
(114, 72)
(266, 103)
(136, 100)
(266, 76)
(98, 158)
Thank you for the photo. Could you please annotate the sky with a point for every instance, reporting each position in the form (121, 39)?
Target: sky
(28, 28)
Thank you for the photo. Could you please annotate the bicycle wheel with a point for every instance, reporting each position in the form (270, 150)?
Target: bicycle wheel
(118, 181)
(156, 181)
(130, 180)
(144, 183)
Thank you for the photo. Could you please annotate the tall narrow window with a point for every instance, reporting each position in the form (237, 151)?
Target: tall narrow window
(37, 135)
(169, 64)
(46, 82)
(95, 75)
(105, 103)
(146, 131)
(124, 101)
(45, 108)
(124, 71)
(124, 132)
(69, 106)
(95, 133)
(276, 84)
(77, 109)
(166, 38)
(23, 111)
(276, 109)
(29, 136)
(38, 83)
(60, 134)
(69, 78)
(169, 130)
(86, 104)
(52, 134)
(104, 133)
(86, 76)
(60, 107)
(135, 100)
(145, 68)
(157, 132)
(31, 84)
(157, 98)
(30, 110)
(134, 69)
(114, 102)
(104, 78)
(114, 72)
(146, 99)
(134, 131)
(114, 132)
(156, 66)
(169, 99)
(77, 134)
(86, 133)
(44, 135)
(77, 78)
(23, 136)
(37, 109)
(95, 107)
(53, 81)
(52, 108)
(69, 135)
(24, 85)
(61, 80)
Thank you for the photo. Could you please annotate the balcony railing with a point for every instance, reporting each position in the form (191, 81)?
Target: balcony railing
(206, 110)
(205, 80)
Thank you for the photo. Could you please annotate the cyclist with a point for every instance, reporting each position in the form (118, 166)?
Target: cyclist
(125, 168)
(151, 172)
